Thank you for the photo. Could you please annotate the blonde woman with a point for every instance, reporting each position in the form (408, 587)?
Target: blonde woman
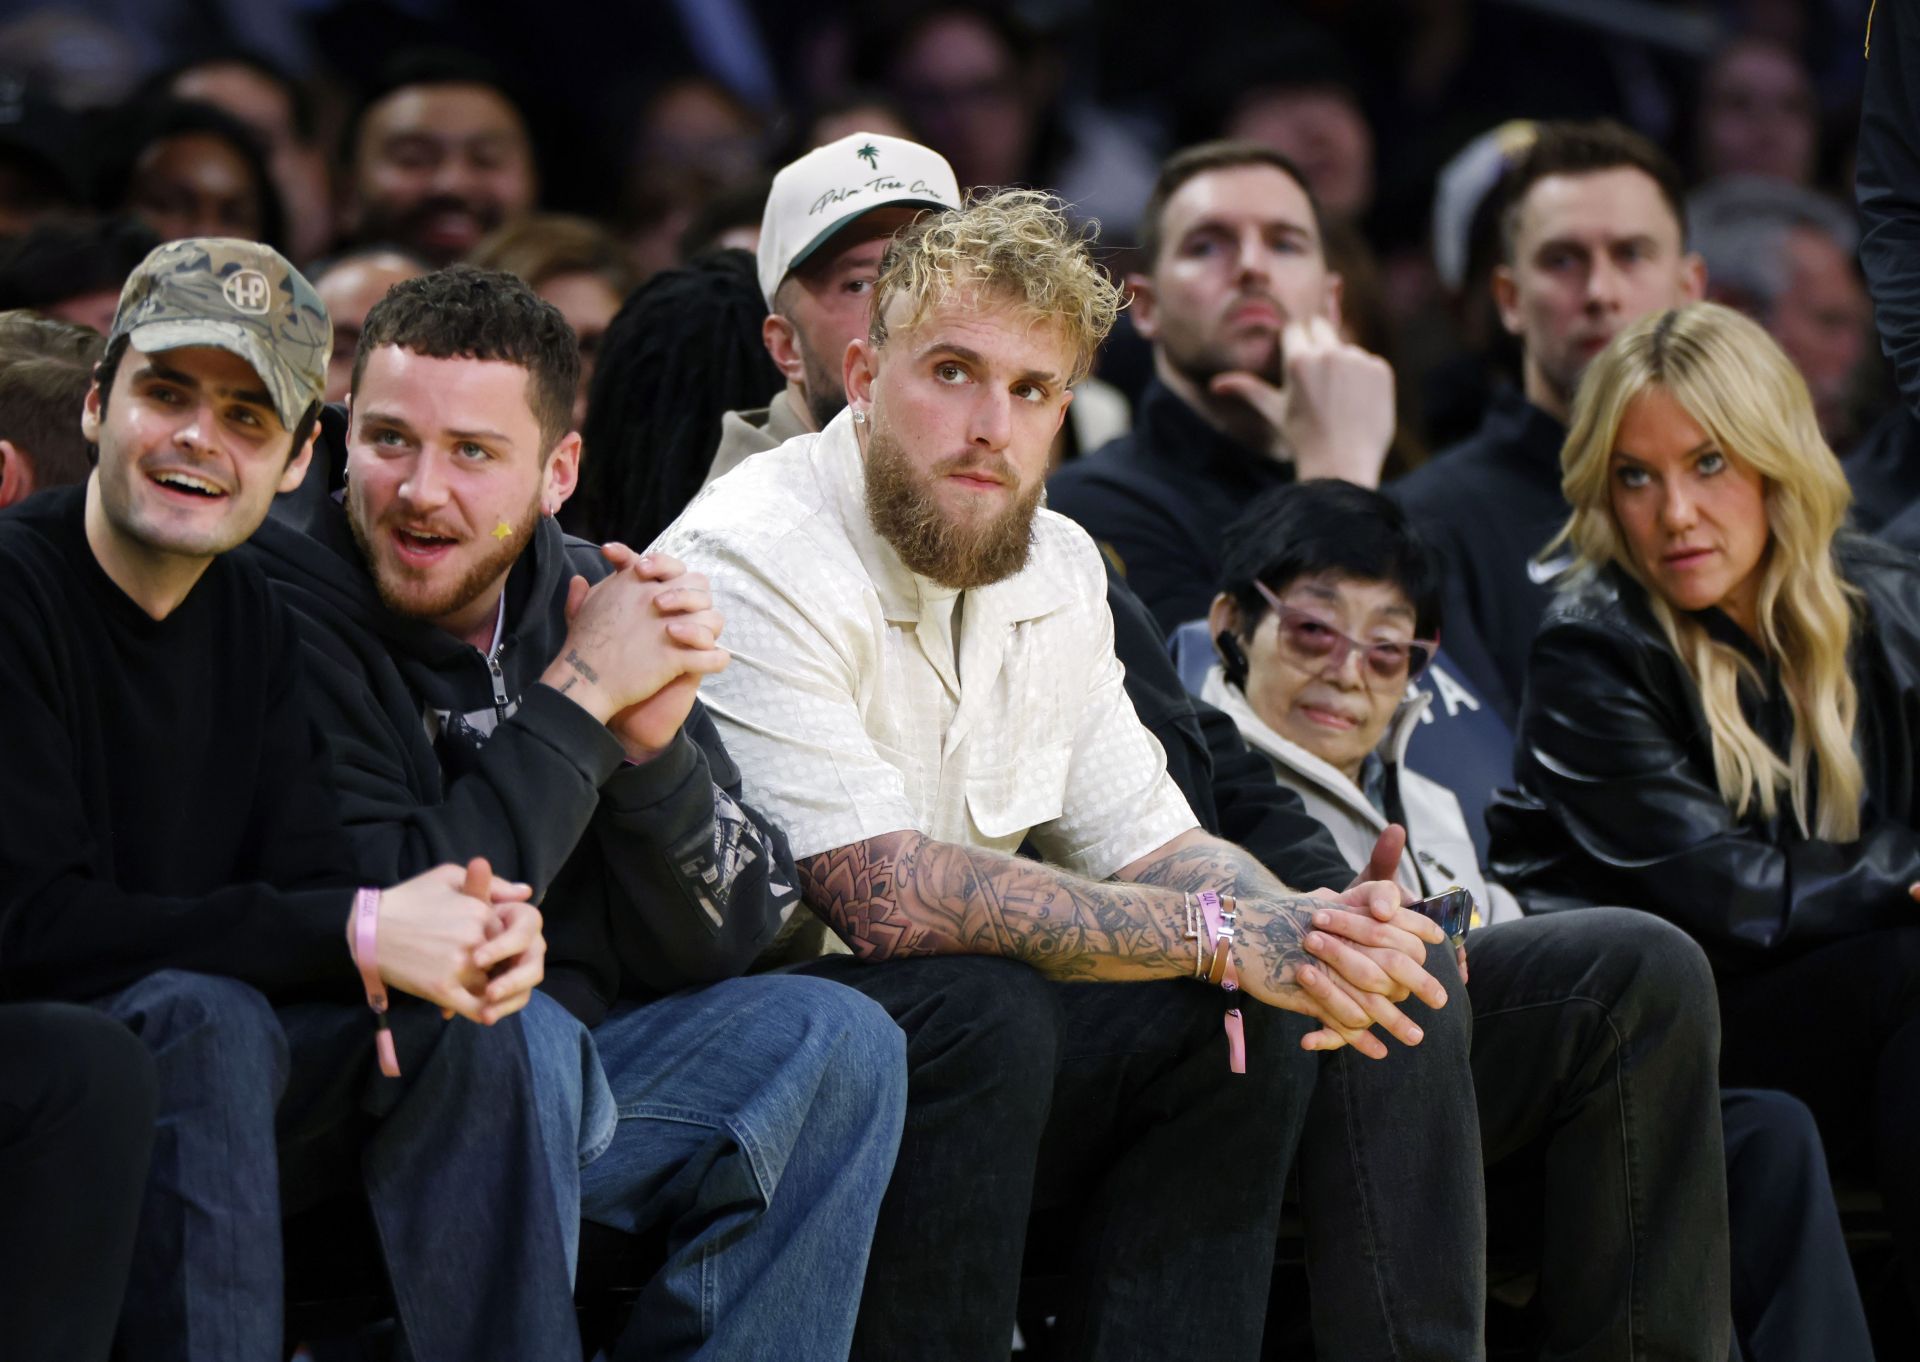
(1719, 726)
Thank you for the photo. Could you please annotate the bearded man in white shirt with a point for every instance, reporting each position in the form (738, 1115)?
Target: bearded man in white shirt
(923, 679)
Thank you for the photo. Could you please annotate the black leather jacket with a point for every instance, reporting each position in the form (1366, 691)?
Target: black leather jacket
(1618, 802)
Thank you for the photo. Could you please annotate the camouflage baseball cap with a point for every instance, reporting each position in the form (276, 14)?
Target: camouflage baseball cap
(237, 296)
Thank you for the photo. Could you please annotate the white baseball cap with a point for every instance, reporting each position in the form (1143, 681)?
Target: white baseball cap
(825, 190)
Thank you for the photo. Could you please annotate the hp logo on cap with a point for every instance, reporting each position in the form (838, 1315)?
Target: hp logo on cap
(248, 291)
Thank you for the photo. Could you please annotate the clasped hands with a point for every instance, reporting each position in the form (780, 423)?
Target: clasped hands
(638, 643)
(1371, 951)
(463, 938)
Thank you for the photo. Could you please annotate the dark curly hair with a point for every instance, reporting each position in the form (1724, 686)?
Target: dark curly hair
(465, 313)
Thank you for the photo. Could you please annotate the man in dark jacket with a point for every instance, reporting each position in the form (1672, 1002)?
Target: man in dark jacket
(1887, 185)
(1593, 237)
(1253, 386)
(480, 694)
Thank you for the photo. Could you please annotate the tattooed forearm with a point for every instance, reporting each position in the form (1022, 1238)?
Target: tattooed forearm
(1273, 919)
(904, 894)
(1207, 863)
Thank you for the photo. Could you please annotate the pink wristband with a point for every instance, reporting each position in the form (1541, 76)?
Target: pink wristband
(1220, 935)
(366, 923)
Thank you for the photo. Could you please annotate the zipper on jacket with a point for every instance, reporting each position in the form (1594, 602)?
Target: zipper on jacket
(499, 684)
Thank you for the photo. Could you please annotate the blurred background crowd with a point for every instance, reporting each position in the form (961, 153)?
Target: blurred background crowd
(587, 147)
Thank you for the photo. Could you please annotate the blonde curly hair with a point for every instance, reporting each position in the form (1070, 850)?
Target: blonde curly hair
(1017, 245)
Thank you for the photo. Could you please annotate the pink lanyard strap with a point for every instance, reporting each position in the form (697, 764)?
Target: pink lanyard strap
(366, 923)
(1225, 973)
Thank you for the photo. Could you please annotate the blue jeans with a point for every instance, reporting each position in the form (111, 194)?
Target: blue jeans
(259, 1105)
(758, 1119)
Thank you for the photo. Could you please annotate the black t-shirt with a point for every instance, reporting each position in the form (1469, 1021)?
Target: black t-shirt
(163, 800)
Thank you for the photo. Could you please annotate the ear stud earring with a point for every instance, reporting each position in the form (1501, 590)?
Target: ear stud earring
(859, 418)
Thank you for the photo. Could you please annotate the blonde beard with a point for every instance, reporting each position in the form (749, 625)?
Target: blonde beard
(901, 506)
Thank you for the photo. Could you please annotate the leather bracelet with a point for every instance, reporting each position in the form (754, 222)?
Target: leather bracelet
(1220, 924)
(366, 932)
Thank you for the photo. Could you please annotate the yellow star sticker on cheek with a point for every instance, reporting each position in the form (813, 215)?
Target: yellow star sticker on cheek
(503, 531)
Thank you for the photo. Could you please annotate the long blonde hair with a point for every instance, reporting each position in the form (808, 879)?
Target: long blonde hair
(1730, 376)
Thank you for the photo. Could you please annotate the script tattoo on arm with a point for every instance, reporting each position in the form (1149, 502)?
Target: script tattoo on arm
(903, 894)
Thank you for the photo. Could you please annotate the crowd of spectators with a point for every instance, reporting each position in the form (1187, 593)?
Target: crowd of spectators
(663, 129)
(795, 560)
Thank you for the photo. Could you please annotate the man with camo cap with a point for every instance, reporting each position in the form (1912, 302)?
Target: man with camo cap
(170, 854)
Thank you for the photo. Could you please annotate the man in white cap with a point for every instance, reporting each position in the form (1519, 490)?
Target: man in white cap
(829, 218)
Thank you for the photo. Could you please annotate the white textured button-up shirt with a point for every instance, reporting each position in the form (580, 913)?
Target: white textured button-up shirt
(853, 710)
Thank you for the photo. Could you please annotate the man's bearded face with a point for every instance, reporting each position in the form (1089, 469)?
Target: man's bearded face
(962, 549)
(964, 408)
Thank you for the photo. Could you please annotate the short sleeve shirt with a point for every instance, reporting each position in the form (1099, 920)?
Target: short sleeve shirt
(863, 699)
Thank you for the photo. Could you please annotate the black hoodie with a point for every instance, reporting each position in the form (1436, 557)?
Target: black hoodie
(651, 878)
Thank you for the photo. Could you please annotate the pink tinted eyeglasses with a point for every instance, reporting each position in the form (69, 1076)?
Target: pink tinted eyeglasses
(1313, 645)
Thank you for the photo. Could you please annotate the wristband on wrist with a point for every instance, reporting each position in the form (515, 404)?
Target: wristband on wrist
(1219, 923)
(366, 925)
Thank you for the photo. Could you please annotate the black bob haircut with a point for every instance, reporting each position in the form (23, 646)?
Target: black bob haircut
(1328, 526)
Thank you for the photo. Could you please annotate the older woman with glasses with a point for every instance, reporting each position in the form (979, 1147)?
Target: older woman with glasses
(1593, 1052)
(1721, 723)
(1328, 614)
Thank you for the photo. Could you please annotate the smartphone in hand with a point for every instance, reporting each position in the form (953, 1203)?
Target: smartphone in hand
(1453, 910)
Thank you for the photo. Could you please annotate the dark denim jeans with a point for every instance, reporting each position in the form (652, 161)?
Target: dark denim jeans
(1393, 1197)
(756, 1118)
(1592, 1047)
(1794, 1296)
(254, 1100)
(76, 1122)
(1106, 1108)
(1839, 1028)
